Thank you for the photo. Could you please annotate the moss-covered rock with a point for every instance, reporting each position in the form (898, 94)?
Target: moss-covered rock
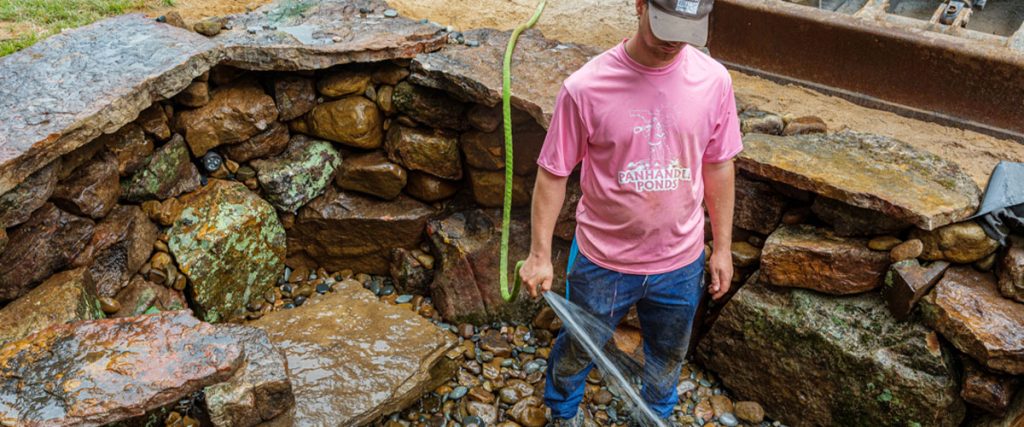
(299, 174)
(815, 359)
(231, 246)
(168, 172)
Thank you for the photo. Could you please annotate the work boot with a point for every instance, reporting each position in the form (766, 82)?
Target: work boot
(575, 421)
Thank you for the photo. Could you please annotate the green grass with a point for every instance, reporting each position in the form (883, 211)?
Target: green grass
(43, 18)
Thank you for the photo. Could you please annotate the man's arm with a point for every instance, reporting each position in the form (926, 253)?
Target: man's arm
(548, 196)
(720, 197)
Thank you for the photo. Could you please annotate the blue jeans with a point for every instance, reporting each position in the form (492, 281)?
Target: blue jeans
(666, 304)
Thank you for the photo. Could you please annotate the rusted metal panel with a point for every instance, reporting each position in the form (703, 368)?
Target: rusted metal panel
(969, 79)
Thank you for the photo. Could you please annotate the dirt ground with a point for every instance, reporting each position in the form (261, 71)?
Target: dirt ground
(606, 22)
(196, 10)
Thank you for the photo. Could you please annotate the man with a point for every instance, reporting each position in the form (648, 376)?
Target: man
(653, 122)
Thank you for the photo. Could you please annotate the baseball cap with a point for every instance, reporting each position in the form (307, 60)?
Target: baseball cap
(680, 20)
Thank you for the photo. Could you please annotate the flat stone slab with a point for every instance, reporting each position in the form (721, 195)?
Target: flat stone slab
(352, 358)
(867, 171)
(474, 73)
(316, 34)
(64, 91)
(102, 371)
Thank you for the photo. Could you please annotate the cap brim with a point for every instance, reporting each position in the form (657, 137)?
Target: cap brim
(672, 28)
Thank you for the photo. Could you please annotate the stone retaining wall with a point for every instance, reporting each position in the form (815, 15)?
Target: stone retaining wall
(145, 168)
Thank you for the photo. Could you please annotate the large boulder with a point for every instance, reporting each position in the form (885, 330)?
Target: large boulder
(64, 297)
(372, 173)
(467, 250)
(354, 121)
(967, 309)
(758, 207)
(92, 189)
(119, 247)
(1011, 271)
(342, 230)
(235, 113)
(429, 106)
(17, 205)
(47, 243)
(102, 371)
(352, 358)
(168, 172)
(431, 151)
(299, 174)
(866, 171)
(231, 246)
(804, 256)
(259, 390)
(270, 142)
(963, 243)
(816, 359)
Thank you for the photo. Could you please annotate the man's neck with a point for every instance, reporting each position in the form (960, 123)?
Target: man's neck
(642, 56)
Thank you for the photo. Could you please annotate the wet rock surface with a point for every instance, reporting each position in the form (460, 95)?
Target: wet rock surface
(169, 172)
(467, 245)
(259, 390)
(294, 96)
(855, 168)
(323, 34)
(428, 106)
(808, 257)
(64, 297)
(372, 173)
(234, 114)
(47, 243)
(230, 245)
(354, 121)
(1011, 271)
(299, 174)
(907, 283)
(270, 142)
(129, 144)
(74, 101)
(474, 72)
(91, 190)
(119, 247)
(848, 220)
(429, 188)
(486, 150)
(967, 309)
(990, 392)
(758, 207)
(488, 188)
(352, 358)
(51, 378)
(431, 151)
(815, 359)
(142, 297)
(20, 202)
(346, 230)
(962, 243)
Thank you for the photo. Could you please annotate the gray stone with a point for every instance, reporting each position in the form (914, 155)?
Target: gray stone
(866, 171)
(299, 174)
(815, 359)
(67, 94)
(304, 36)
(757, 121)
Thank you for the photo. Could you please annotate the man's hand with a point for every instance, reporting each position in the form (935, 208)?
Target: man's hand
(537, 273)
(721, 273)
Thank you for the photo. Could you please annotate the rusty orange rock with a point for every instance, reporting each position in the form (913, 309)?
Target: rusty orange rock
(804, 256)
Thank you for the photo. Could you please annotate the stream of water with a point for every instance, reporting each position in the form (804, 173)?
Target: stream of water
(618, 367)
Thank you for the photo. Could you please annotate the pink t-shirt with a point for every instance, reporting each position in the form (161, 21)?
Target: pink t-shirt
(642, 134)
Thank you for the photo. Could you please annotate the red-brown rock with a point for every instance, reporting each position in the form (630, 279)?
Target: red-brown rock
(92, 189)
(342, 230)
(968, 310)
(489, 188)
(18, 204)
(47, 243)
(431, 151)
(294, 96)
(429, 106)
(154, 122)
(235, 113)
(908, 283)
(131, 147)
(804, 125)
(270, 142)
(101, 371)
(120, 245)
(65, 297)
(986, 390)
(259, 391)
(1011, 271)
(429, 188)
(372, 173)
(758, 207)
(814, 258)
(486, 150)
(142, 296)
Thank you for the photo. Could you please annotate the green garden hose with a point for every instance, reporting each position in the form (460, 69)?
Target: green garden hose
(506, 108)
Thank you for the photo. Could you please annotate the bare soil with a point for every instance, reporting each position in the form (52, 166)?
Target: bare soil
(197, 10)
(606, 22)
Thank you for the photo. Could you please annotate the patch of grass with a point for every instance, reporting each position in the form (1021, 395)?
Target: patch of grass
(48, 17)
